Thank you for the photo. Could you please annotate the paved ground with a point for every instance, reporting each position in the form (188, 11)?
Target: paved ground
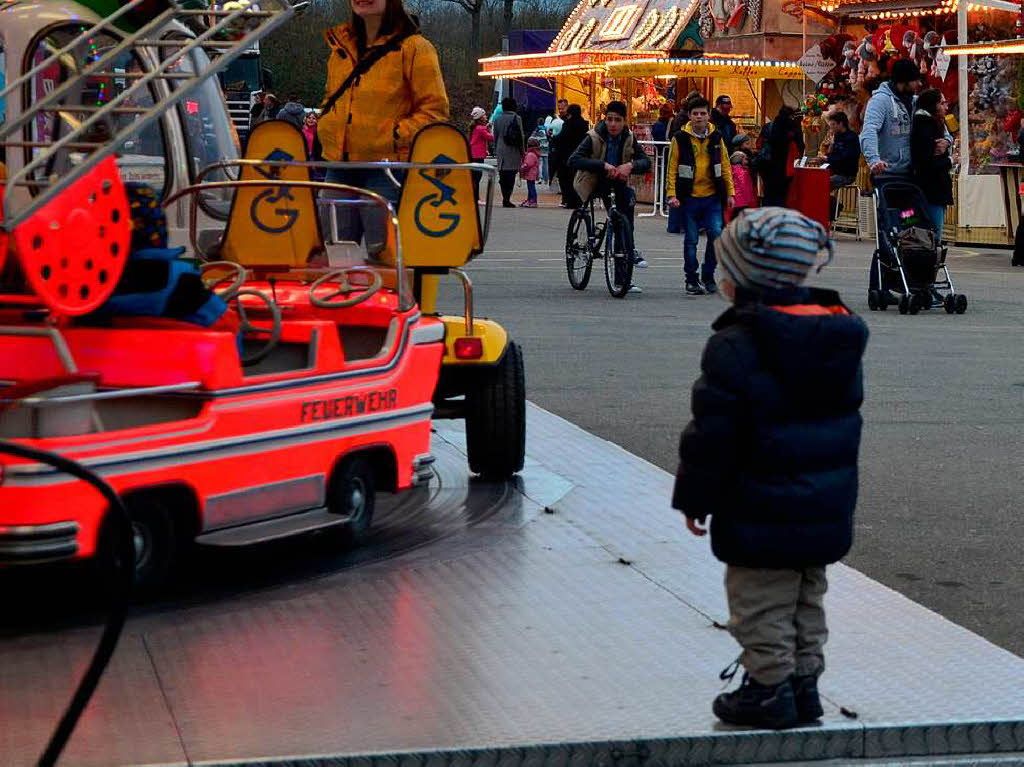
(943, 449)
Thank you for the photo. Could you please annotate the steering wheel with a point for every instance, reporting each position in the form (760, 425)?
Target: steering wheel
(236, 275)
(344, 286)
(274, 331)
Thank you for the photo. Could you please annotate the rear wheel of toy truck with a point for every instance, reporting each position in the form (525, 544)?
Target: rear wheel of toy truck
(579, 260)
(496, 418)
(352, 494)
(960, 305)
(874, 300)
(156, 542)
(949, 303)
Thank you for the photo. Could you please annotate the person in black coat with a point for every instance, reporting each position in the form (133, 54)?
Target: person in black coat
(931, 154)
(574, 130)
(720, 117)
(780, 134)
(844, 153)
(771, 456)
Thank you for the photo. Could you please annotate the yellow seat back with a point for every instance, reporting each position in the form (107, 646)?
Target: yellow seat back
(272, 226)
(438, 217)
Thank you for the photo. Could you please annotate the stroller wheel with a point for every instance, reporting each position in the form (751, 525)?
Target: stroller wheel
(961, 303)
(949, 303)
(904, 305)
(873, 300)
(915, 304)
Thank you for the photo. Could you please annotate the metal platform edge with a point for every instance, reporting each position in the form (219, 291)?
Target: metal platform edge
(962, 743)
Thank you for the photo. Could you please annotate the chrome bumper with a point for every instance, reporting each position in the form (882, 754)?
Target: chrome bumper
(29, 544)
(422, 470)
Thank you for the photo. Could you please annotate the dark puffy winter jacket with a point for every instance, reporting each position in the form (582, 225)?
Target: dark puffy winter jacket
(771, 452)
(931, 171)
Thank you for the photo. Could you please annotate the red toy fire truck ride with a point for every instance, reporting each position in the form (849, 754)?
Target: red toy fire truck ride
(315, 387)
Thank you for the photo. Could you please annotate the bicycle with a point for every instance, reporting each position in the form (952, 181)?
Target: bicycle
(585, 239)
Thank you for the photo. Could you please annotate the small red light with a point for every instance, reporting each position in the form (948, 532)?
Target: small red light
(468, 348)
(192, 107)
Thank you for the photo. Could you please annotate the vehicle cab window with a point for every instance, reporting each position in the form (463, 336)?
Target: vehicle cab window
(210, 136)
(142, 156)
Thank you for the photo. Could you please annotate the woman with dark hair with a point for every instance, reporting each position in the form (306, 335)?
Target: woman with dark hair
(784, 141)
(383, 84)
(509, 148)
(574, 130)
(930, 154)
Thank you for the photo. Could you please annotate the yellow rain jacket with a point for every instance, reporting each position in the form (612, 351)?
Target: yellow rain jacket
(379, 114)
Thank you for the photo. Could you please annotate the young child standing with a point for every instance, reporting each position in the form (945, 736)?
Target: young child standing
(530, 171)
(743, 182)
(771, 456)
(479, 137)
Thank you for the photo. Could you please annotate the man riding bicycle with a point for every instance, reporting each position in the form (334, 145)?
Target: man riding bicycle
(603, 163)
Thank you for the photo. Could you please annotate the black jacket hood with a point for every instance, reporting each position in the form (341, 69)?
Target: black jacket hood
(810, 353)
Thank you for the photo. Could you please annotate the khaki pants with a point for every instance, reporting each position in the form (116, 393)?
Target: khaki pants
(778, 616)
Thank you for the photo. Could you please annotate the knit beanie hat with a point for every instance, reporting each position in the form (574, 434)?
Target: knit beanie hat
(738, 139)
(766, 248)
(477, 113)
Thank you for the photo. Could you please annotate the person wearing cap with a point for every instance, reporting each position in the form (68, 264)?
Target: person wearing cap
(480, 136)
(603, 162)
(720, 117)
(885, 134)
(770, 456)
(700, 184)
(888, 119)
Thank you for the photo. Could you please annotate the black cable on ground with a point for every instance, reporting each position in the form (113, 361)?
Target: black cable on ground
(124, 562)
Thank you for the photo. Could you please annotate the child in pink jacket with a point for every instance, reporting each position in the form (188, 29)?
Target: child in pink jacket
(743, 181)
(530, 171)
(479, 137)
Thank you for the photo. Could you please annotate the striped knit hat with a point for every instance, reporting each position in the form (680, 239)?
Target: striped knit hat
(765, 248)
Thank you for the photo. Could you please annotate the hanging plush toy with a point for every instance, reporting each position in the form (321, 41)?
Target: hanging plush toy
(867, 68)
(849, 56)
(932, 42)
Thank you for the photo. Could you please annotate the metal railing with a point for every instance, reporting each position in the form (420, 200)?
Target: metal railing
(659, 162)
(243, 26)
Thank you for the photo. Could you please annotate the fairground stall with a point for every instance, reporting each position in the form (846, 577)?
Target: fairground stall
(984, 92)
(649, 53)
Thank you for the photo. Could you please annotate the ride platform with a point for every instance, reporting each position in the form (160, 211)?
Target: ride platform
(564, 618)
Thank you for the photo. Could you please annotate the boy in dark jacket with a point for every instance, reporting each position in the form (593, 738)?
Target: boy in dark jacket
(771, 457)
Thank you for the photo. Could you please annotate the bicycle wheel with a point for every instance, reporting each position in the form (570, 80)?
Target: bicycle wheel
(618, 266)
(578, 258)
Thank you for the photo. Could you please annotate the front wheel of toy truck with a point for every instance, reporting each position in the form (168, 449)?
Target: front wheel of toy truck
(352, 494)
(496, 418)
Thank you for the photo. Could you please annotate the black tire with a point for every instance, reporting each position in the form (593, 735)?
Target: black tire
(156, 543)
(579, 259)
(873, 300)
(904, 304)
(961, 303)
(496, 418)
(352, 493)
(949, 303)
(915, 303)
(618, 269)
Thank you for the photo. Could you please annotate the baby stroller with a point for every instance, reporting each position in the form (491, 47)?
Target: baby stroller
(909, 255)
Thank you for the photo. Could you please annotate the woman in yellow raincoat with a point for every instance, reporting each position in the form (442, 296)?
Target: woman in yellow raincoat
(383, 84)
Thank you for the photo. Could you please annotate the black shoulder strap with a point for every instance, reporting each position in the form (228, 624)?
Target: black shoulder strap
(363, 66)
